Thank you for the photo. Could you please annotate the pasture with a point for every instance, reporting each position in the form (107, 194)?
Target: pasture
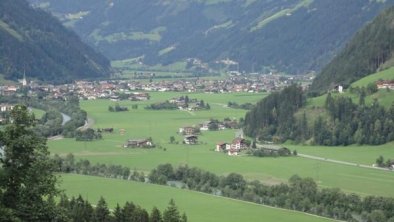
(161, 125)
(198, 206)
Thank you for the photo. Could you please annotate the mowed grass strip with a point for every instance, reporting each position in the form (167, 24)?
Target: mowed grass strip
(199, 207)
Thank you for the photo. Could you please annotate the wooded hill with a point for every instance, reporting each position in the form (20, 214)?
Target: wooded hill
(340, 120)
(371, 49)
(293, 36)
(34, 42)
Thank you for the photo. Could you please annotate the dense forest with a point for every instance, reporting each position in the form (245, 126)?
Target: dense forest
(260, 34)
(34, 42)
(274, 115)
(370, 50)
(347, 122)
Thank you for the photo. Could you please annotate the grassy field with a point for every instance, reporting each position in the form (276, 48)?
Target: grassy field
(385, 97)
(387, 74)
(366, 154)
(197, 206)
(38, 113)
(161, 125)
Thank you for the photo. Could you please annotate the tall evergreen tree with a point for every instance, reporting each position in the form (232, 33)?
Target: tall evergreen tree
(28, 174)
(101, 212)
(155, 215)
(171, 214)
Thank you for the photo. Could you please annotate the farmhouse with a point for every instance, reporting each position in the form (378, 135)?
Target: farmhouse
(222, 147)
(139, 96)
(232, 152)
(239, 144)
(190, 139)
(6, 107)
(205, 126)
(187, 130)
(135, 143)
(385, 84)
(233, 148)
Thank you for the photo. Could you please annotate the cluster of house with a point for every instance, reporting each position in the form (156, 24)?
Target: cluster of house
(4, 109)
(139, 143)
(385, 84)
(191, 132)
(126, 89)
(234, 148)
(209, 125)
(184, 102)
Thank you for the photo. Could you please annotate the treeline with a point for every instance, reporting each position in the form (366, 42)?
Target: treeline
(264, 152)
(273, 119)
(164, 105)
(52, 122)
(350, 123)
(389, 163)
(69, 106)
(117, 108)
(234, 105)
(368, 51)
(301, 194)
(68, 164)
(87, 135)
(78, 209)
(274, 115)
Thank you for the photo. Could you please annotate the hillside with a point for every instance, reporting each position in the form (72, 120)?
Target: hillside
(294, 36)
(370, 50)
(35, 43)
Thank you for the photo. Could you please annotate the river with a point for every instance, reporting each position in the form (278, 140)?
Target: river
(66, 118)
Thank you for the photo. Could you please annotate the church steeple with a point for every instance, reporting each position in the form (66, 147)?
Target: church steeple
(24, 81)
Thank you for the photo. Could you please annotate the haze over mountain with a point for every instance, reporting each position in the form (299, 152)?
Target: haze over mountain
(293, 36)
(371, 50)
(34, 42)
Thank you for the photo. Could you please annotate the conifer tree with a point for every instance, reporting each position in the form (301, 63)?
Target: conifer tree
(171, 214)
(101, 212)
(155, 215)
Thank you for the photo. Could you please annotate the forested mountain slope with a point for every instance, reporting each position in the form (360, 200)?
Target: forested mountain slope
(294, 36)
(34, 42)
(370, 50)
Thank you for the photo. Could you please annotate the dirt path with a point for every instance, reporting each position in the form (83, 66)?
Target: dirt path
(88, 124)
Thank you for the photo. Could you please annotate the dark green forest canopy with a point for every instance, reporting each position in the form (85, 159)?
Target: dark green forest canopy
(274, 115)
(35, 43)
(371, 49)
(344, 122)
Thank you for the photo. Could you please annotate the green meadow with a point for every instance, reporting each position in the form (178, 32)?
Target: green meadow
(387, 74)
(161, 125)
(198, 206)
(365, 154)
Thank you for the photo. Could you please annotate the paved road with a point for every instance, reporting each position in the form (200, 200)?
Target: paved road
(341, 162)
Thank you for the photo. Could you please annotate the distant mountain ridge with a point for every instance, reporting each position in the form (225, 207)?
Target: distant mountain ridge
(37, 44)
(371, 50)
(294, 36)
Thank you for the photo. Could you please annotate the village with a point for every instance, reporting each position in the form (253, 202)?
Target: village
(138, 90)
